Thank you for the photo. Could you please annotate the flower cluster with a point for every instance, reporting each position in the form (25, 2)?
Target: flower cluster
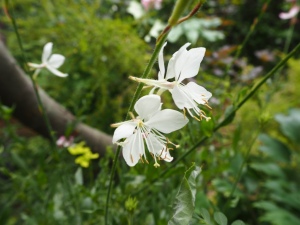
(85, 154)
(151, 122)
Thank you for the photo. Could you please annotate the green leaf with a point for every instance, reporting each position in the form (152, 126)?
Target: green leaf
(270, 169)
(205, 215)
(79, 176)
(290, 124)
(185, 199)
(220, 218)
(238, 222)
(274, 148)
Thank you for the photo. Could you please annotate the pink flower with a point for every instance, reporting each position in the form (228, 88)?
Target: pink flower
(290, 14)
(63, 141)
(150, 4)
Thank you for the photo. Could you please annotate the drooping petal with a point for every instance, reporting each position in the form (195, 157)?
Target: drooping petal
(147, 105)
(167, 121)
(56, 60)
(131, 150)
(159, 149)
(180, 98)
(47, 51)
(197, 92)
(123, 131)
(161, 63)
(192, 62)
(165, 155)
(56, 72)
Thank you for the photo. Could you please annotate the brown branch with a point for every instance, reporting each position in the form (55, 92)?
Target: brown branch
(16, 90)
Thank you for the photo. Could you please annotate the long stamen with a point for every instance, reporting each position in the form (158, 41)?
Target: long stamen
(169, 142)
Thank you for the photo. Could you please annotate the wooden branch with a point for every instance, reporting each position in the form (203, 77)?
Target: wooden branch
(16, 90)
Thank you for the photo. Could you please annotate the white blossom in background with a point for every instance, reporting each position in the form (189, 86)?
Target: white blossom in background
(49, 61)
(183, 64)
(146, 129)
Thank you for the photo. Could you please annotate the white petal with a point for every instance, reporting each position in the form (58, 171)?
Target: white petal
(158, 148)
(56, 60)
(180, 59)
(153, 144)
(191, 64)
(123, 131)
(197, 92)
(35, 66)
(171, 69)
(180, 98)
(56, 72)
(131, 151)
(47, 51)
(175, 65)
(147, 105)
(167, 121)
(165, 155)
(161, 63)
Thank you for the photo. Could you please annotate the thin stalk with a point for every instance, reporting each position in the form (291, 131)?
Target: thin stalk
(34, 84)
(224, 121)
(238, 177)
(136, 95)
(289, 37)
(250, 32)
(159, 43)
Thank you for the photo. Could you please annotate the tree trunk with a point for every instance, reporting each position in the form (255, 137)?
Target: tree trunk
(16, 89)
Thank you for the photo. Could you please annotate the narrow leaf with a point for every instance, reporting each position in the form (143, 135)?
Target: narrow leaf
(185, 199)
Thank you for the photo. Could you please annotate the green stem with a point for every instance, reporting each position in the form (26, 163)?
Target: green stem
(136, 95)
(224, 121)
(34, 84)
(159, 43)
(238, 177)
(289, 38)
(252, 28)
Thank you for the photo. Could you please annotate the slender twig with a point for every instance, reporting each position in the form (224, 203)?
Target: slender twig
(34, 84)
(181, 20)
(250, 32)
(159, 43)
(238, 177)
(134, 99)
(224, 121)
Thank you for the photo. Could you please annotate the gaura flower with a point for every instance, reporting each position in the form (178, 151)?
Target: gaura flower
(85, 154)
(146, 129)
(49, 61)
(183, 64)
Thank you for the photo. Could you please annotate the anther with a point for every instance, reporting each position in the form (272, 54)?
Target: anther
(131, 158)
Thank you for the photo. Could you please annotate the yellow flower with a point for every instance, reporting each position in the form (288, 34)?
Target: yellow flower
(85, 154)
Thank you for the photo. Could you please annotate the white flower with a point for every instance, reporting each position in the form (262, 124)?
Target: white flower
(51, 62)
(183, 64)
(147, 128)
